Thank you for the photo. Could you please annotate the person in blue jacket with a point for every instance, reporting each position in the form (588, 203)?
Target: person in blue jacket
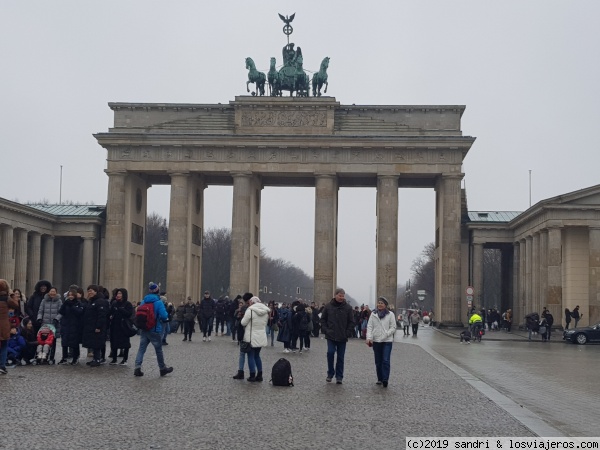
(154, 335)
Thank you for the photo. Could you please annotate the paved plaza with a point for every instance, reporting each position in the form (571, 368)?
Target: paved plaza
(437, 388)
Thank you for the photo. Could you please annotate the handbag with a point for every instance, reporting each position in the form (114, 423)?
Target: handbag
(245, 347)
(129, 328)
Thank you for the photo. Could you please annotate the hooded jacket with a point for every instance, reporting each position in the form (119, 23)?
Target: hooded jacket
(71, 322)
(32, 306)
(120, 311)
(254, 322)
(6, 303)
(50, 309)
(160, 312)
(337, 321)
(95, 317)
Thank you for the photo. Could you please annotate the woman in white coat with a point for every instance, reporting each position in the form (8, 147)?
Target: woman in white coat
(380, 336)
(254, 322)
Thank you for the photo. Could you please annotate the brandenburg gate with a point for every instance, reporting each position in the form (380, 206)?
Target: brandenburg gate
(257, 141)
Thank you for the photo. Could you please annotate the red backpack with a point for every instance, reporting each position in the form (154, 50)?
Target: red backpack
(144, 317)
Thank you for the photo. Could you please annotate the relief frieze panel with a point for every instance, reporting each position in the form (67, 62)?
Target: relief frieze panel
(347, 155)
(291, 119)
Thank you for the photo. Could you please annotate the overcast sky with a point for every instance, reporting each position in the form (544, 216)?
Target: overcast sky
(527, 71)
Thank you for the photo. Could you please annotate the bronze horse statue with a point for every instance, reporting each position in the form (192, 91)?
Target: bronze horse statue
(320, 78)
(256, 77)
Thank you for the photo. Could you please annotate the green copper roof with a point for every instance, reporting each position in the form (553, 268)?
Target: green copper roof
(493, 216)
(71, 210)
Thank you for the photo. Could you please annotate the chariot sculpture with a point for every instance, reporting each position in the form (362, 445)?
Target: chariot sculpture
(291, 77)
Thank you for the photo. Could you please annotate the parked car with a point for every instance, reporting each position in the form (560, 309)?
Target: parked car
(583, 335)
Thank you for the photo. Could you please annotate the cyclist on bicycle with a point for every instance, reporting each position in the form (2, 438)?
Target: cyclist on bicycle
(476, 324)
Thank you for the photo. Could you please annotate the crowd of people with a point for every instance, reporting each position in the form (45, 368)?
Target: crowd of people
(33, 327)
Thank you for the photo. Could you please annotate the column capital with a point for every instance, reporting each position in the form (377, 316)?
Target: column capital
(242, 174)
(452, 176)
(114, 173)
(179, 173)
(325, 175)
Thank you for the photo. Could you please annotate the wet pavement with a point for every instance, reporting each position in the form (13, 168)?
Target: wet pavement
(438, 387)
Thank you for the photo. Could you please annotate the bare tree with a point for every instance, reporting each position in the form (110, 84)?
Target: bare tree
(423, 271)
(155, 249)
(216, 261)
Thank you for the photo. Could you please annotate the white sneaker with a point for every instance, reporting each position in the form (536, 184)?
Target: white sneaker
(203, 339)
(209, 339)
(286, 350)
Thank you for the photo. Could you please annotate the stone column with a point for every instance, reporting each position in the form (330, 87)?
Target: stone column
(7, 268)
(520, 319)
(594, 290)
(114, 261)
(478, 274)
(177, 255)
(245, 234)
(515, 305)
(554, 294)
(544, 269)
(528, 269)
(21, 261)
(387, 238)
(87, 263)
(33, 259)
(48, 261)
(326, 212)
(448, 241)
(536, 300)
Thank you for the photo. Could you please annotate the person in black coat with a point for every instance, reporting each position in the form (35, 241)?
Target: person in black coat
(95, 323)
(189, 314)
(206, 315)
(121, 311)
(34, 301)
(71, 326)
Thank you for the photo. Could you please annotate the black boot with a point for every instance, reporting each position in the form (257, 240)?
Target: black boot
(239, 376)
(252, 377)
(259, 376)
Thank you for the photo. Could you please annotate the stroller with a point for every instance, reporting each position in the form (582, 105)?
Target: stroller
(46, 348)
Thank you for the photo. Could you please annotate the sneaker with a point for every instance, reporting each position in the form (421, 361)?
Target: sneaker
(113, 362)
(338, 381)
(138, 372)
(209, 339)
(286, 350)
(378, 383)
(203, 339)
(3, 371)
(123, 363)
(184, 339)
(62, 361)
(300, 352)
(385, 384)
(328, 379)
(165, 371)
(95, 363)
(102, 361)
(165, 343)
(306, 349)
(74, 362)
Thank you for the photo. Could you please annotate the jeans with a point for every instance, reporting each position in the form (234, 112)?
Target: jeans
(3, 353)
(147, 337)
(242, 361)
(383, 352)
(254, 361)
(332, 348)
(206, 325)
(229, 325)
(166, 330)
(219, 321)
(188, 325)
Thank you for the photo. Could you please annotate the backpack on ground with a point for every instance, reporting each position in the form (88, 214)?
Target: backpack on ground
(281, 374)
(144, 317)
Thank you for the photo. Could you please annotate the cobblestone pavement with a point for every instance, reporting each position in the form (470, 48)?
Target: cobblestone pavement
(556, 380)
(199, 405)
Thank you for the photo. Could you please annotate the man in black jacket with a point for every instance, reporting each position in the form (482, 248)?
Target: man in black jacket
(337, 323)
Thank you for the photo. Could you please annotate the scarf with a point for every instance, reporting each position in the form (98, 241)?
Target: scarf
(382, 313)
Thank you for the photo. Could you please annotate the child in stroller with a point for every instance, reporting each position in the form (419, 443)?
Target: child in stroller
(46, 348)
(465, 336)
